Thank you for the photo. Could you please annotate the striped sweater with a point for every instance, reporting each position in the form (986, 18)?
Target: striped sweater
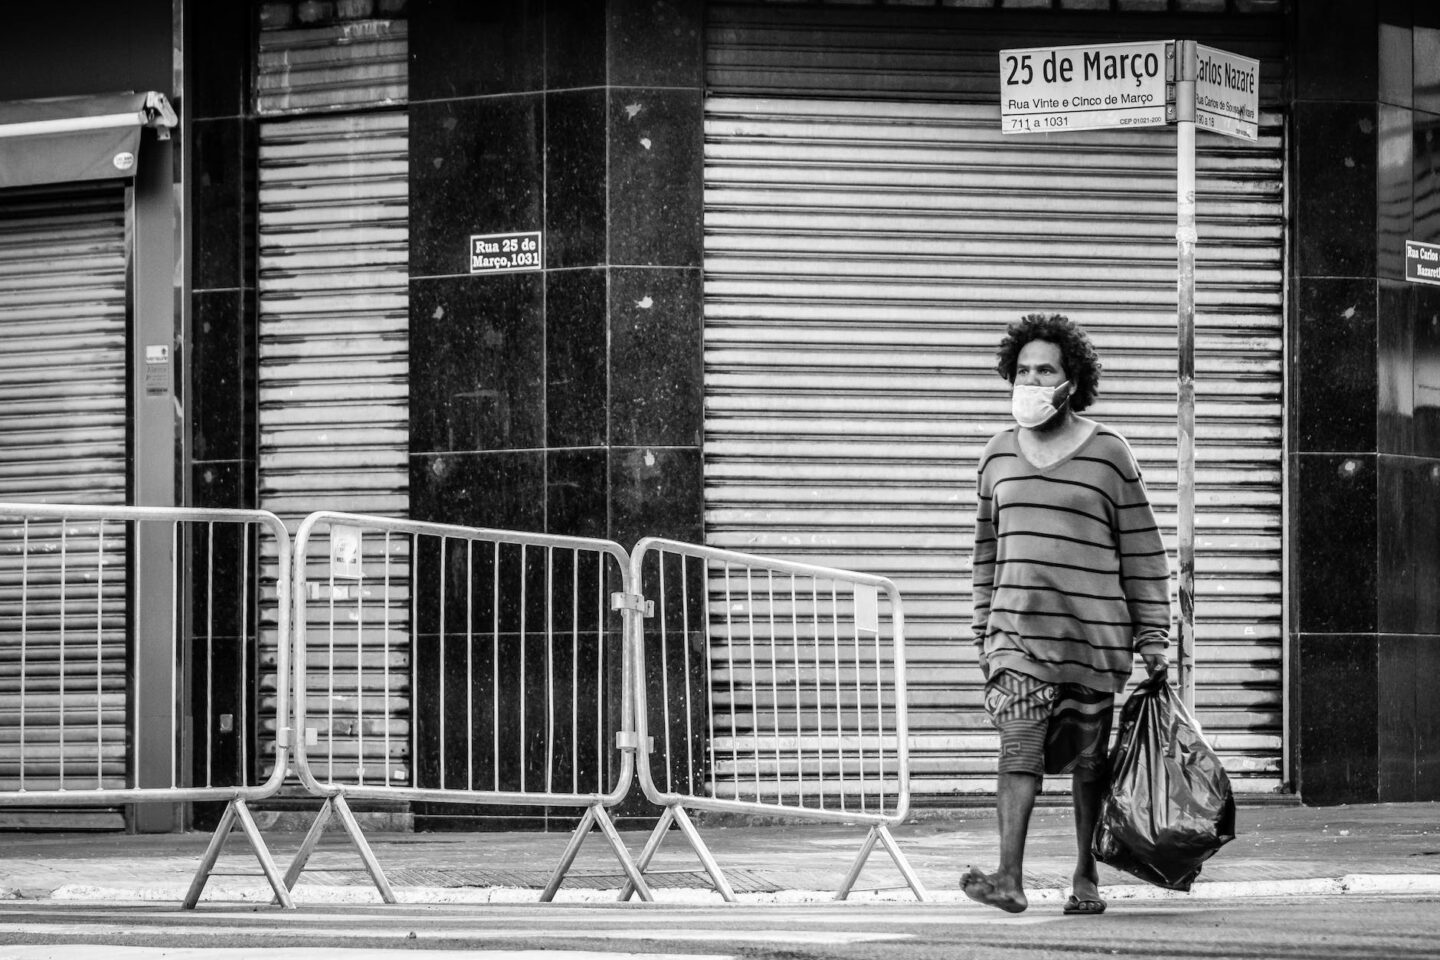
(1070, 575)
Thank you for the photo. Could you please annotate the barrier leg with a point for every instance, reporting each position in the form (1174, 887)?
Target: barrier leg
(676, 814)
(336, 805)
(881, 833)
(236, 810)
(903, 865)
(595, 815)
(652, 844)
(307, 846)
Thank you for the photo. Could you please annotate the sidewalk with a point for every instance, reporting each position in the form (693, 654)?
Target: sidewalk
(1281, 851)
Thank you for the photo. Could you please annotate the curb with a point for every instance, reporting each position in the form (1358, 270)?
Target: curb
(306, 894)
(1349, 884)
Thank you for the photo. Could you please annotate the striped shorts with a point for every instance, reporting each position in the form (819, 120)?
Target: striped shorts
(1053, 728)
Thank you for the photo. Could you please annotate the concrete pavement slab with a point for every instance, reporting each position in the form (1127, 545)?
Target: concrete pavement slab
(1280, 851)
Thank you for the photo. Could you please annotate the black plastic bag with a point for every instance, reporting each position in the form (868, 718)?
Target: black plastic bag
(1169, 806)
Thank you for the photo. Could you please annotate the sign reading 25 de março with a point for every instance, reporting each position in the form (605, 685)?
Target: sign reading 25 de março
(1087, 87)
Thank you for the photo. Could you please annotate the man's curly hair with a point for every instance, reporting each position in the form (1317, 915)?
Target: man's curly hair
(1082, 364)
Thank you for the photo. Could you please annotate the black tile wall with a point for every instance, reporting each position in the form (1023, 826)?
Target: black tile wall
(1396, 514)
(567, 400)
(656, 370)
(1338, 742)
(1395, 367)
(1336, 543)
(221, 397)
(217, 201)
(577, 493)
(1395, 54)
(1426, 64)
(576, 232)
(217, 58)
(656, 44)
(461, 48)
(1427, 717)
(1335, 364)
(1334, 196)
(477, 362)
(1365, 509)
(1330, 60)
(575, 44)
(1397, 701)
(1394, 190)
(656, 177)
(476, 167)
(223, 484)
(1409, 555)
(1409, 718)
(655, 492)
(1425, 552)
(505, 490)
(577, 378)
(1425, 153)
(1426, 366)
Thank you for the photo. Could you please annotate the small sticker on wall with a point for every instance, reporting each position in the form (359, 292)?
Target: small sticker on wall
(867, 608)
(345, 552)
(123, 160)
(157, 369)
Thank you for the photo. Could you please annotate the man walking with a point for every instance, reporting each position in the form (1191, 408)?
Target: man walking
(1071, 580)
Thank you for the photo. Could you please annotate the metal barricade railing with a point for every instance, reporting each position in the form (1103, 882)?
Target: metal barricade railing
(416, 648)
(777, 689)
(104, 648)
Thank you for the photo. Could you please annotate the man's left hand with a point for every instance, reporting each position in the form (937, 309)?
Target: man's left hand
(1155, 663)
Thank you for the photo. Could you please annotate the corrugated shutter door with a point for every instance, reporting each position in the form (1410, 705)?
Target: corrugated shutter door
(334, 314)
(63, 363)
(862, 259)
(344, 66)
(334, 355)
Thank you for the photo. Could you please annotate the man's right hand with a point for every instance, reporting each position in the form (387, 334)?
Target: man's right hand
(985, 667)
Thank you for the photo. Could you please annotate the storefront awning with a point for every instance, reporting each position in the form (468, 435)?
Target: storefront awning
(66, 139)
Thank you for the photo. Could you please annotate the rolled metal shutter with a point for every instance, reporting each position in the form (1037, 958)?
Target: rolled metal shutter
(334, 315)
(63, 377)
(334, 343)
(359, 64)
(863, 254)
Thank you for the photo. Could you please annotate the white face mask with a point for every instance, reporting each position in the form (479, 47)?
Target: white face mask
(1033, 406)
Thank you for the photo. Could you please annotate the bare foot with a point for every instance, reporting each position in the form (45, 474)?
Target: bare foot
(993, 891)
(1085, 885)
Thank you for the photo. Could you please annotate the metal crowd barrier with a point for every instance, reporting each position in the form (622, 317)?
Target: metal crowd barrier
(415, 649)
(421, 640)
(69, 576)
(788, 680)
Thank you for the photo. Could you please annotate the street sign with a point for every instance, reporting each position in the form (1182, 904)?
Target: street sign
(1422, 262)
(1086, 87)
(1227, 93)
(506, 252)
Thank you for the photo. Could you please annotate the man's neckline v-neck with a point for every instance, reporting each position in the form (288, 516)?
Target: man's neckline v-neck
(1094, 429)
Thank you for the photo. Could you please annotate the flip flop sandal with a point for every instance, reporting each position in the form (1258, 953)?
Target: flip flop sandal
(1075, 906)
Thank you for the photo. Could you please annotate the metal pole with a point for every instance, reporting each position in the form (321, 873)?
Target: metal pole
(1185, 238)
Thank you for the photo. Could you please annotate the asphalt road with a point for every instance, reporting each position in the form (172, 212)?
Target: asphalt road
(1382, 928)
